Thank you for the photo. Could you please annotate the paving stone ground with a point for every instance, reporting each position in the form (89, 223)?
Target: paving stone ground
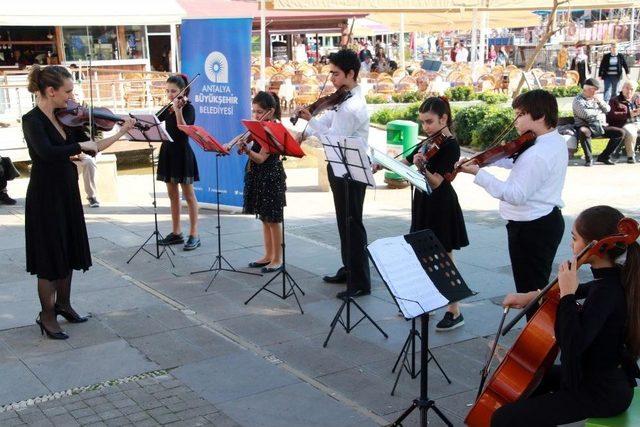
(206, 358)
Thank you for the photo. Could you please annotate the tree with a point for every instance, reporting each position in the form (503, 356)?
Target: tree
(550, 30)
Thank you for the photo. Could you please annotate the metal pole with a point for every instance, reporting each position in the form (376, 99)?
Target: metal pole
(633, 26)
(174, 49)
(263, 46)
(402, 41)
(474, 38)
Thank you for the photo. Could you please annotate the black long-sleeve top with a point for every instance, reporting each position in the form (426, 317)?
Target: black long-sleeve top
(592, 339)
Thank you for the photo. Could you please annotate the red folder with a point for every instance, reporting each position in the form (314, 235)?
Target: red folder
(203, 138)
(274, 137)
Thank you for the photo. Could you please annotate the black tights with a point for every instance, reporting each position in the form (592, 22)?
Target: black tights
(52, 293)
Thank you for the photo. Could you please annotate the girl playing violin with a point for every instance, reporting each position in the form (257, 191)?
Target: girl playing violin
(531, 196)
(55, 230)
(177, 163)
(599, 342)
(265, 186)
(439, 211)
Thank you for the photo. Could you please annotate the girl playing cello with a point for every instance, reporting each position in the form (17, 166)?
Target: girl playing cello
(599, 343)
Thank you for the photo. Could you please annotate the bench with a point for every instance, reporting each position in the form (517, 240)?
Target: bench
(629, 418)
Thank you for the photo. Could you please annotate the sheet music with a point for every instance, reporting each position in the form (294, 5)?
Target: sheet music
(157, 130)
(404, 275)
(355, 151)
(417, 179)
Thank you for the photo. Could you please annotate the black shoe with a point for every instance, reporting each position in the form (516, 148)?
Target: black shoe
(6, 200)
(93, 202)
(352, 293)
(193, 242)
(271, 269)
(53, 335)
(631, 160)
(339, 277)
(172, 239)
(448, 322)
(588, 162)
(606, 161)
(256, 264)
(71, 317)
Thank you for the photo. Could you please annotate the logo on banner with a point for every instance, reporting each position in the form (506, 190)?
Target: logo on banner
(216, 67)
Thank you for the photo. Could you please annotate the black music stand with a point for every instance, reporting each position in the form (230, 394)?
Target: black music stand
(348, 160)
(274, 138)
(408, 351)
(425, 258)
(209, 144)
(148, 130)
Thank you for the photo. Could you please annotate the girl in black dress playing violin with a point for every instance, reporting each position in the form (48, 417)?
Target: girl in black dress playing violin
(177, 164)
(265, 185)
(599, 342)
(439, 211)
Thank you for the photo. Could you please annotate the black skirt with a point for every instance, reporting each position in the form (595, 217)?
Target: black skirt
(440, 212)
(177, 163)
(265, 190)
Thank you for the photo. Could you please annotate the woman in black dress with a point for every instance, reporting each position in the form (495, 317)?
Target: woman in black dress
(439, 211)
(177, 163)
(265, 186)
(599, 341)
(55, 231)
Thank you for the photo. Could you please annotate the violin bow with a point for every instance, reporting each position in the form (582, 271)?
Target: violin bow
(485, 370)
(319, 95)
(90, 56)
(166, 107)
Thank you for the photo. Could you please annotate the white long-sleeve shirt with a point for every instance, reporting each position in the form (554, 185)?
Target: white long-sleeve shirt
(534, 186)
(351, 118)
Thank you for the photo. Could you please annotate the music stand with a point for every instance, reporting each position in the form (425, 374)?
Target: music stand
(348, 159)
(209, 144)
(149, 129)
(275, 139)
(420, 278)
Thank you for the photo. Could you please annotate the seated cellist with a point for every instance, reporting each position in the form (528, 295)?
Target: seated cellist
(599, 342)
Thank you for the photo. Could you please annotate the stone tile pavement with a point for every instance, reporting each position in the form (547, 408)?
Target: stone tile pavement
(159, 350)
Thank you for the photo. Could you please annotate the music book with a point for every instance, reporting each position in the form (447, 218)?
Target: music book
(348, 158)
(274, 138)
(417, 179)
(203, 138)
(418, 272)
(156, 131)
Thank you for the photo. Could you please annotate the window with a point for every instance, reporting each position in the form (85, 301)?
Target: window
(101, 42)
(135, 42)
(158, 28)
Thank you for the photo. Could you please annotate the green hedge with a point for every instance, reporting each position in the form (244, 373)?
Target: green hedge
(467, 93)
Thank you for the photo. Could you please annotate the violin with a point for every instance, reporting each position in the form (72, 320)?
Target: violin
(535, 349)
(497, 152)
(76, 115)
(325, 103)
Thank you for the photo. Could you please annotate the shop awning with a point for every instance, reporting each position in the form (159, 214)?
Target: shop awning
(378, 6)
(79, 13)
(429, 22)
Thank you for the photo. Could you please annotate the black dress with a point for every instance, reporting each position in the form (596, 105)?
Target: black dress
(177, 162)
(55, 231)
(265, 188)
(596, 374)
(440, 211)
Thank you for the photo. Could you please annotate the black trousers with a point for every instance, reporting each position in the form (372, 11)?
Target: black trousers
(532, 248)
(615, 136)
(550, 404)
(353, 248)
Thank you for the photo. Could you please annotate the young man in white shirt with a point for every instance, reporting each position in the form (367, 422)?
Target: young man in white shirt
(531, 196)
(350, 118)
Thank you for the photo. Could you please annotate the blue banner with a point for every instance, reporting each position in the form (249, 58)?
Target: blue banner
(220, 50)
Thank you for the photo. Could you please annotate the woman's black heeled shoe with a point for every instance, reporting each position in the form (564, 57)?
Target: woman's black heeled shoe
(71, 317)
(53, 335)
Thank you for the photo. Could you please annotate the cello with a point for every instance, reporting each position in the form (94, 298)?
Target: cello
(535, 349)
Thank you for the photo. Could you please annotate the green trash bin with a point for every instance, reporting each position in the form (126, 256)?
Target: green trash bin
(401, 135)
